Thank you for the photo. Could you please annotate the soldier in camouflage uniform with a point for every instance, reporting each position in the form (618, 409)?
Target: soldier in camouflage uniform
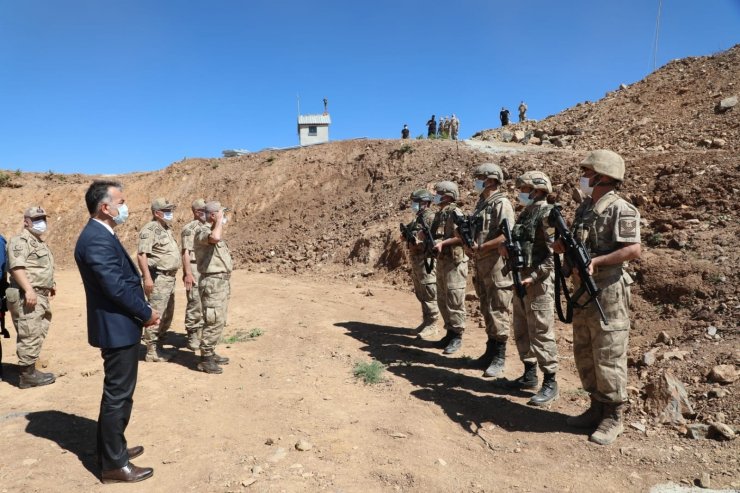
(215, 266)
(522, 112)
(493, 281)
(534, 314)
(609, 228)
(425, 283)
(159, 259)
(31, 267)
(191, 277)
(452, 266)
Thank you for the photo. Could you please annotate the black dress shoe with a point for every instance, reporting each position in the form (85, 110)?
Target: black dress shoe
(127, 474)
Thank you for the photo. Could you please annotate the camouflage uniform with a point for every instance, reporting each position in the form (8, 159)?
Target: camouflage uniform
(30, 253)
(193, 311)
(452, 272)
(215, 265)
(493, 281)
(163, 257)
(523, 112)
(601, 350)
(534, 316)
(425, 283)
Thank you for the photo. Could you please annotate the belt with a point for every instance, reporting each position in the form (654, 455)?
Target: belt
(217, 275)
(193, 261)
(170, 273)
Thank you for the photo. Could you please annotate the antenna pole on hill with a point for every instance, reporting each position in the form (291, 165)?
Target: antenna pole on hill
(657, 32)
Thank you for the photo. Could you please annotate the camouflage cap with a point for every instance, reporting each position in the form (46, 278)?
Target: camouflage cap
(213, 206)
(161, 203)
(199, 204)
(34, 211)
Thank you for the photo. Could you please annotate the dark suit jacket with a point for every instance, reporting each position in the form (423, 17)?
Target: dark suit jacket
(116, 307)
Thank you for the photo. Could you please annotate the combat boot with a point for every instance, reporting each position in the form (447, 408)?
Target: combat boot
(589, 418)
(611, 425)
(498, 361)
(528, 380)
(31, 377)
(154, 355)
(442, 343)
(208, 365)
(484, 360)
(220, 360)
(547, 393)
(454, 345)
(429, 330)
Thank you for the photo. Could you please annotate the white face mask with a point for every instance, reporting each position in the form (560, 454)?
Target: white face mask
(168, 216)
(224, 220)
(437, 199)
(524, 198)
(122, 214)
(585, 187)
(479, 185)
(415, 206)
(39, 226)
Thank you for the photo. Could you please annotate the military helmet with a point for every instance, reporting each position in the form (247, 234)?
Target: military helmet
(448, 188)
(535, 179)
(421, 195)
(489, 170)
(605, 162)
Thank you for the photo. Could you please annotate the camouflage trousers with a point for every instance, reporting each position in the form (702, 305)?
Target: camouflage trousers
(193, 310)
(215, 291)
(600, 350)
(425, 288)
(451, 281)
(495, 302)
(31, 325)
(533, 325)
(161, 299)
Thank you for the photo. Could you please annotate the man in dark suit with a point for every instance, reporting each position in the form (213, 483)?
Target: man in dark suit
(116, 313)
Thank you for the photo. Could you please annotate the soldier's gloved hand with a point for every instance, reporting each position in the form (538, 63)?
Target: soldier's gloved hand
(148, 286)
(31, 300)
(188, 281)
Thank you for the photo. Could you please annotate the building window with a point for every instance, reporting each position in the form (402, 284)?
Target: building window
(312, 130)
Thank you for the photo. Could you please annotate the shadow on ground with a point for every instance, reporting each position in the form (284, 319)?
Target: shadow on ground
(72, 433)
(467, 400)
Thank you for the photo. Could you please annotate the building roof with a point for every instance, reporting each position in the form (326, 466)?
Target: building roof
(314, 119)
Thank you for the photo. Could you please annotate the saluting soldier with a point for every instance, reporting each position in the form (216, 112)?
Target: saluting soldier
(609, 228)
(31, 267)
(159, 260)
(493, 281)
(214, 265)
(191, 276)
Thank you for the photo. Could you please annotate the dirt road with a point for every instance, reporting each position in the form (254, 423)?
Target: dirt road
(433, 425)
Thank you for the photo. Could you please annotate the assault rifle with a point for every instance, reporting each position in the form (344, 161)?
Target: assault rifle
(516, 259)
(411, 239)
(579, 259)
(3, 330)
(468, 227)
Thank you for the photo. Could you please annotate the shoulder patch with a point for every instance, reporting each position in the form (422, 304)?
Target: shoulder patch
(144, 235)
(187, 232)
(17, 247)
(628, 228)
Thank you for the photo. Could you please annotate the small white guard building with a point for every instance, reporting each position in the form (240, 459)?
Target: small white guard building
(313, 129)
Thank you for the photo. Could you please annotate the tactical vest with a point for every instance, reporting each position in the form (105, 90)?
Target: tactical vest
(484, 209)
(525, 232)
(445, 220)
(584, 225)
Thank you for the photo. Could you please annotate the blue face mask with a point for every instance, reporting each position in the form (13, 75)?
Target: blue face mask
(479, 185)
(167, 216)
(415, 206)
(122, 214)
(437, 199)
(524, 198)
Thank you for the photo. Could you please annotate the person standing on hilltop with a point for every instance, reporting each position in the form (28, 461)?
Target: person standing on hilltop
(609, 228)
(522, 112)
(493, 281)
(424, 279)
(504, 116)
(534, 313)
(431, 127)
(191, 276)
(452, 266)
(454, 127)
(32, 286)
(405, 132)
(215, 265)
(159, 260)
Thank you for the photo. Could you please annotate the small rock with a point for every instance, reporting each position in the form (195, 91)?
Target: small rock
(506, 136)
(399, 435)
(257, 470)
(270, 441)
(664, 337)
(697, 431)
(711, 330)
(667, 399)
(724, 374)
(518, 136)
(721, 431)
(705, 480)
(303, 445)
(622, 87)
(635, 476)
(718, 393)
(649, 358)
(726, 104)
(718, 143)
(679, 355)
(441, 462)
(638, 427)
(249, 482)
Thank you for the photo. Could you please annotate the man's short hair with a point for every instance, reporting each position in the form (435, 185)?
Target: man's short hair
(98, 193)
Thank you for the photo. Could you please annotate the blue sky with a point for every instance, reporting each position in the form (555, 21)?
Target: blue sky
(112, 86)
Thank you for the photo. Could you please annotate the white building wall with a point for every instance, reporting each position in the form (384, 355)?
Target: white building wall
(322, 135)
